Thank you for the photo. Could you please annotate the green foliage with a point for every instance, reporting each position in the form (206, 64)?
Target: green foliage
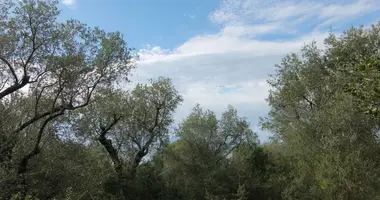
(365, 85)
(210, 160)
(317, 109)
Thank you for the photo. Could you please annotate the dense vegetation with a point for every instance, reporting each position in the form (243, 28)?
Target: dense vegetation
(67, 130)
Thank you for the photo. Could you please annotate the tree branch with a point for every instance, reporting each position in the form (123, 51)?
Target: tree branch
(134, 140)
(311, 103)
(40, 116)
(26, 78)
(4, 83)
(107, 143)
(38, 77)
(34, 47)
(112, 152)
(14, 87)
(155, 120)
(22, 168)
(67, 106)
(10, 68)
(151, 131)
(38, 97)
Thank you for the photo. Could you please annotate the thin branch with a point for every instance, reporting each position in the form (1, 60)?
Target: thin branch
(38, 97)
(68, 106)
(60, 89)
(10, 68)
(34, 47)
(104, 130)
(311, 103)
(82, 195)
(134, 140)
(155, 120)
(25, 79)
(30, 57)
(218, 150)
(38, 77)
(40, 116)
(3, 85)
(151, 130)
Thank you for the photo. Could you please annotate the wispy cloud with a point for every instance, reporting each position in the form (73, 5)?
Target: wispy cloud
(250, 30)
(291, 12)
(191, 16)
(239, 57)
(69, 3)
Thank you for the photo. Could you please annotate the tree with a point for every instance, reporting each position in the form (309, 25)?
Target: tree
(361, 72)
(78, 176)
(331, 143)
(251, 169)
(130, 125)
(365, 85)
(197, 161)
(50, 68)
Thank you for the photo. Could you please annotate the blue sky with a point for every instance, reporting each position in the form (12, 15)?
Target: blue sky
(220, 52)
(166, 23)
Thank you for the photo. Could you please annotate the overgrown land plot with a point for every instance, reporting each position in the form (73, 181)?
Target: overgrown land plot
(67, 130)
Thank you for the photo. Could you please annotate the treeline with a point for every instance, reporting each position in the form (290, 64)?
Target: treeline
(67, 130)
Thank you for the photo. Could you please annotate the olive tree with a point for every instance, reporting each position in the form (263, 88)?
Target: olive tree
(331, 145)
(50, 68)
(196, 162)
(130, 125)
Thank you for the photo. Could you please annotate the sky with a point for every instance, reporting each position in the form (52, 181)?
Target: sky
(220, 52)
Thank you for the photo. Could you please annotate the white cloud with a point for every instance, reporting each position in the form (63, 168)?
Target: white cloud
(335, 13)
(244, 30)
(69, 3)
(227, 42)
(291, 11)
(238, 56)
(243, 11)
(202, 65)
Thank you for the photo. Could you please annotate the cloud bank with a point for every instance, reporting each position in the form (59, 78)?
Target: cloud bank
(232, 65)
